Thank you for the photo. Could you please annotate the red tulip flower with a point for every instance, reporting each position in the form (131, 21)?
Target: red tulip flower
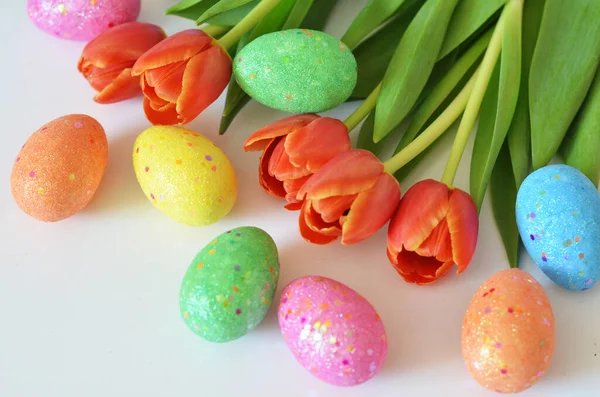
(295, 148)
(349, 197)
(434, 229)
(181, 76)
(107, 60)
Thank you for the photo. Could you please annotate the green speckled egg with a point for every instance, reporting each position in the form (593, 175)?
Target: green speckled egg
(230, 284)
(297, 70)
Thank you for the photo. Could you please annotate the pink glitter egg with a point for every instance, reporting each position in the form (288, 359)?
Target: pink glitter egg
(81, 19)
(333, 332)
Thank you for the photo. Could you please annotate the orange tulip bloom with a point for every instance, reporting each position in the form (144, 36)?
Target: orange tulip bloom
(434, 229)
(349, 197)
(294, 148)
(181, 76)
(107, 60)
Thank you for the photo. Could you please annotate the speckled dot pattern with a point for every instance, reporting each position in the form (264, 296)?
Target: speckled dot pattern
(333, 332)
(81, 19)
(508, 332)
(297, 70)
(229, 286)
(59, 168)
(184, 175)
(558, 214)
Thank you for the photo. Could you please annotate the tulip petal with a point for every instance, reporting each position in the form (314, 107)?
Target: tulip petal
(316, 223)
(418, 269)
(167, 81)
(350, 172)
(270, 184)
(307, 233)
(168, 116)
(100, 78)
(371, 210)
(313, 146)
(206, 76)
(259, 139)
(155, 102)
(125, 86)
(332, 208)
(292, 186)
(463, 224)
(284, 169)
(293, 206)
(108, 48)
(176, 48)
(421, 209)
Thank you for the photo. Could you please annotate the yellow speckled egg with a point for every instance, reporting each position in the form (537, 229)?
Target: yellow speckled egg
(58, 170)
(508, 332)
(184, 174)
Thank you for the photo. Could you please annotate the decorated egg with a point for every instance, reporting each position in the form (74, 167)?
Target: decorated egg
(81, 19)
(297, 70)
(332, 331)
(58, 170)
(230, 284)
(508, 332)
(184, 174)
(558, 215)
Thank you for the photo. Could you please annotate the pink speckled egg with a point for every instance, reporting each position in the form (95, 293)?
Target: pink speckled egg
(81, 19)
(333, 332)
(508, 332)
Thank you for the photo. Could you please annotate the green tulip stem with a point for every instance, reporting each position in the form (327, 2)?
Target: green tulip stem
(474, 103)
(215, 30)
(249, 21)
(434, 131)
(363, 110)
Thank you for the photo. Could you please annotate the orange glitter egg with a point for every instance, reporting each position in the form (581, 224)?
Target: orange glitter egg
(58, 170)
(508, 332)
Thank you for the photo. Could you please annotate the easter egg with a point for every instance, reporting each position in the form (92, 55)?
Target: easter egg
(184, 174)
(299, 71)
(81, 19)
(59, 168)
(332, 331)
(508, 332)
(558, 215)
(230, 284)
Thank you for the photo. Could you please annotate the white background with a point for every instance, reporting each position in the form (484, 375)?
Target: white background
(89, 305)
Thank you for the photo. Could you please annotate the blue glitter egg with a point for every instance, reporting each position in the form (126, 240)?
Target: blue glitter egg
(558, 214)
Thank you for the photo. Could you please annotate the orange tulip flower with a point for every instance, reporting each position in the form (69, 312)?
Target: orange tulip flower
(434, 229)
(294, 148)
(181, 76)
(107, 60)
(349, 197)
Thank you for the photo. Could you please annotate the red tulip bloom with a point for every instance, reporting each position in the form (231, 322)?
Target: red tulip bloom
(295, 148)
(349, 197)
(107, 60)
(181, 76)
(434, 229)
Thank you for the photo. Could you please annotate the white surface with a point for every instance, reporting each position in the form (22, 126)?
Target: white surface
(88, 306)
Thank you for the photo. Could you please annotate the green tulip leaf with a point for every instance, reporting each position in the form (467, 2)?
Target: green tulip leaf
(411, 65)
(564, 62)
(365, 137)
(297, 14)
(443, 88)
(468, 16)
(498, 106)
(374, 54)
(503, 192)
(519, 133)
(190, 9)
(373, 14)
(581, 147)
(227, 12)
(317, 15)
